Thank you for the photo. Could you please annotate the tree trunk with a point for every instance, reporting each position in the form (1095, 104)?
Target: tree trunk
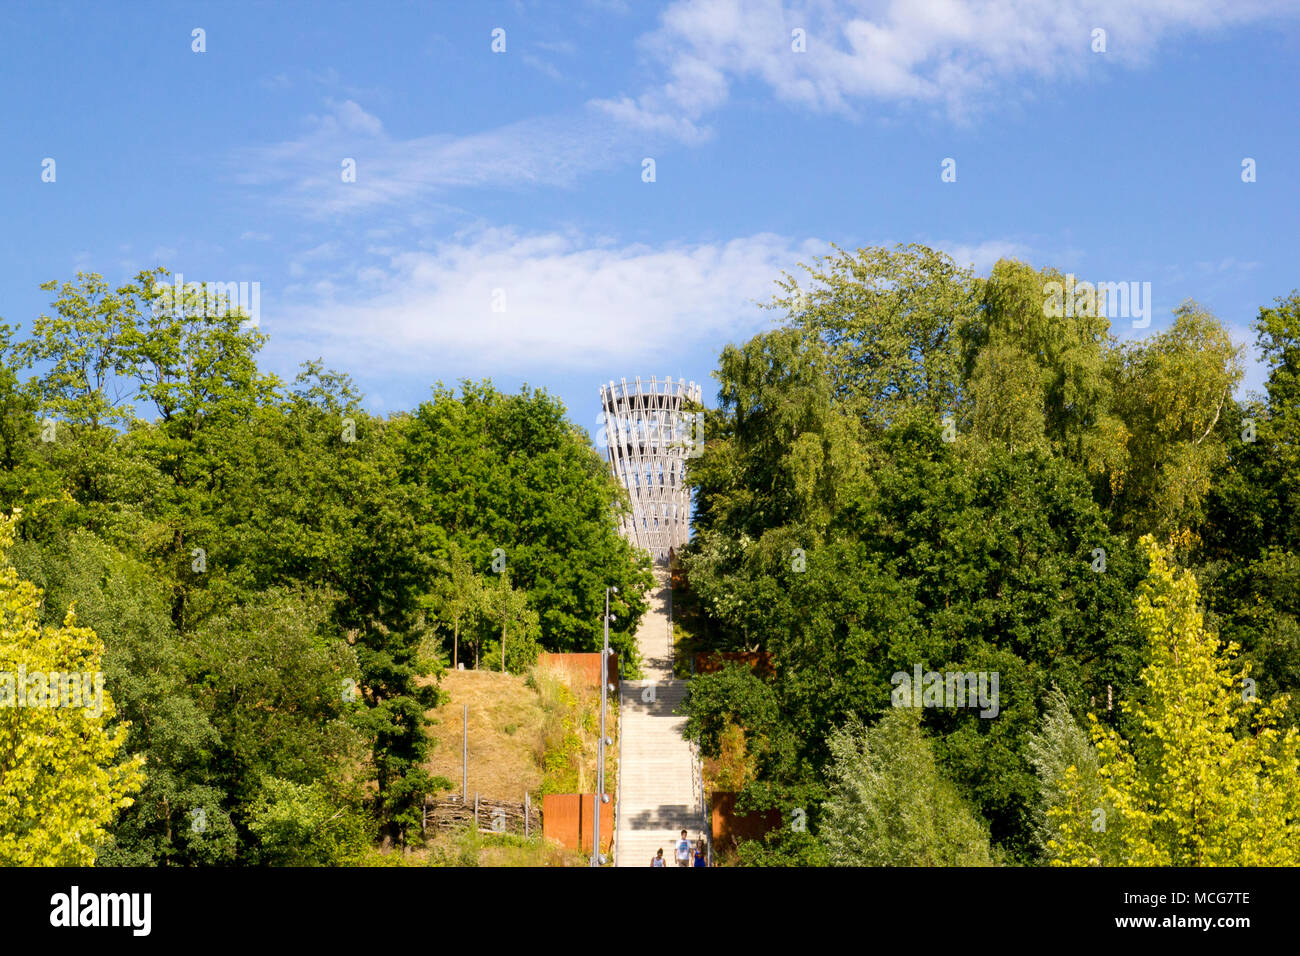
(455, 643)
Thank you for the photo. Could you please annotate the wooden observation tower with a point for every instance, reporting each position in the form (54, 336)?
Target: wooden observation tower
(649, 435)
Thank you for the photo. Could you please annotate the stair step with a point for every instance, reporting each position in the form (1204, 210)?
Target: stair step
(657, 777)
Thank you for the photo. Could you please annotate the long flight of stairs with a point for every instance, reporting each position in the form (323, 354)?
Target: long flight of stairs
(658, 775)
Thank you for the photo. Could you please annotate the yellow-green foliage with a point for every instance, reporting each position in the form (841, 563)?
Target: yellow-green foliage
(735, 766)
(1208, 780)
(60, 780)
(561, 745)
(570, 734)
(470, 847)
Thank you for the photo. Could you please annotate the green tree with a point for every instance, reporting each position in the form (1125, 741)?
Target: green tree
(520, 627)
(851, 544)
(1066, 763)
(147, 672)
(303, 824)
(889, 805)
(1171, 391)
(84, 348)
(1278, 336)
(25, 475)
(458, 598)
(62, 779)
(277, 686)
(1249, 559)
(1205, 778)
(780, 451)
(509, 478)
(1037, 372)
(891, 321)
(191, 356)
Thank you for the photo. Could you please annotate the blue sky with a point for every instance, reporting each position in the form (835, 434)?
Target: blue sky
(521, 171)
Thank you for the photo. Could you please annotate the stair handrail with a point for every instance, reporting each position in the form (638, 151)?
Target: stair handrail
(618, 773)
(701, 800)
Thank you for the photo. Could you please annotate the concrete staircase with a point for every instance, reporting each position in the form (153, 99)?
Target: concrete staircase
(658, 773)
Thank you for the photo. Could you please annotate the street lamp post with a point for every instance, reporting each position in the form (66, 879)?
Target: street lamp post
(601, 797)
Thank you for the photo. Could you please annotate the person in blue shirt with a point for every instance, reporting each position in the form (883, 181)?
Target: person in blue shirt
(700, 858)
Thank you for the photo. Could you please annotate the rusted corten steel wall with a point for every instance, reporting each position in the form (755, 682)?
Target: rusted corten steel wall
(586, 667)
(569, 819)
(710, 662)
(648, 439)
(730, 827)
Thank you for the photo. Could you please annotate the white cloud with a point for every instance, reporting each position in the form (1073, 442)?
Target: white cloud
(1230, 264)
(931, 51)
(549, 150)
(634, 115)
(571, 303)
(565, 47)
(982, 256)
(955, 56)
(542, 66)
(301, 263)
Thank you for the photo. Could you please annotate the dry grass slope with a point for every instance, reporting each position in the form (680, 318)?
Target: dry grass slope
(506, 722)
(534, 734)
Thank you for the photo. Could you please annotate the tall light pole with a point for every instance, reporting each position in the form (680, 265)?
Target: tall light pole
(601, 797)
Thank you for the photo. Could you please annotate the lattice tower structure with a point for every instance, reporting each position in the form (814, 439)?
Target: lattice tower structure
(649, 437)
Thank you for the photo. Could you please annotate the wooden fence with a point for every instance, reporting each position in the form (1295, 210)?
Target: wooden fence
(487, 816)
(563, 818)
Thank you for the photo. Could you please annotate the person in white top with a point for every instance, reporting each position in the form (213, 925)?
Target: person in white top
(683, 851)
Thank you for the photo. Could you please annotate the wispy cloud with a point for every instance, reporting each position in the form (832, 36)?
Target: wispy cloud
(307, 172)
(301, 263)
(945, 52)
(542, 66)
(981, 256)
(563, 47)
(936, 52)
(280, 81)
(1230, 264)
